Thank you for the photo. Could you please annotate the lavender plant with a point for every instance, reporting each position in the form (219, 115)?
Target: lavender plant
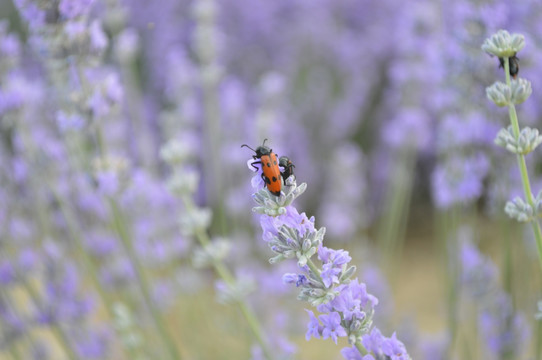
(503, 330)
(518, 141)
(345, 305)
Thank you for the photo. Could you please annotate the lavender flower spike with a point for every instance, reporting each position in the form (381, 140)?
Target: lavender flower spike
(514, 139)
(346, 308)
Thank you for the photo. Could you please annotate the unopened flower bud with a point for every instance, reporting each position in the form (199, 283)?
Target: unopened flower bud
(502, 44)
(499, 93)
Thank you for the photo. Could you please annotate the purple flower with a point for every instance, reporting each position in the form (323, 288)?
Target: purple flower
(98, 104)
(452, 132)
(330, 274)
(336, 257)
(394, 348)
(352, 353)
(257, 180)
(349, 303)
(297, 279)
(28, 259)
(31, 13)
(9, 44)
(411, 128)
(313, 327)
(332, 326)
(503, 330)
(373, 341)
(72, 122)
(108, 182)
(459, 180)
(7, 273)
(295, 220)
(92, 344)
(479, 275)
(102, 244)
(434, 348)
(75, 30)
(269, 226)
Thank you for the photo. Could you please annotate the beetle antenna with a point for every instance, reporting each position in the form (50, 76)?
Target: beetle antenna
(264, 142)
(245, 145)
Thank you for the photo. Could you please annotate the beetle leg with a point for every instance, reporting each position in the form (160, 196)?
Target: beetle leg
(254, 165)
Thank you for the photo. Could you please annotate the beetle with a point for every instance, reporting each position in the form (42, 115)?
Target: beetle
(287, 165)
(513, 61)
(270, 167)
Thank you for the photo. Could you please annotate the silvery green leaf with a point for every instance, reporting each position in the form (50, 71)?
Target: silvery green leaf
(276, 259)
(347, 274)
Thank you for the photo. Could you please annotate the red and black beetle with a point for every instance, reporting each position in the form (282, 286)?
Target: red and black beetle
(270, 167)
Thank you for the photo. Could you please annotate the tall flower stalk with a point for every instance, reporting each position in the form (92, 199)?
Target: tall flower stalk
(517, 141)
(212, 253)
(346, 308)
(206, 48)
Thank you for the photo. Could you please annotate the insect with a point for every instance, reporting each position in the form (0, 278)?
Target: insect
(270, 167)
(287, 165)
(513, 61)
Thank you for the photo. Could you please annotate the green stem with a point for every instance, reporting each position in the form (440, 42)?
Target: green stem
(144, 285)
(392, 227)
(361, 348)
(507, 259)
(314, 269)
(523, 166)
(224, 273)
(447, 224)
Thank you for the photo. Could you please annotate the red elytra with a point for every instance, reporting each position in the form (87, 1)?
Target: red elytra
(270, 167)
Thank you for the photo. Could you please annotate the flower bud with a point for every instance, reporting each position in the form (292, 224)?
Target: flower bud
(499, 93)
(502, 44)
(521, 90)
(527, 141)
(519, 210)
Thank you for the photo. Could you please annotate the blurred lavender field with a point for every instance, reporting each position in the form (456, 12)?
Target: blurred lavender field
(126, 222)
